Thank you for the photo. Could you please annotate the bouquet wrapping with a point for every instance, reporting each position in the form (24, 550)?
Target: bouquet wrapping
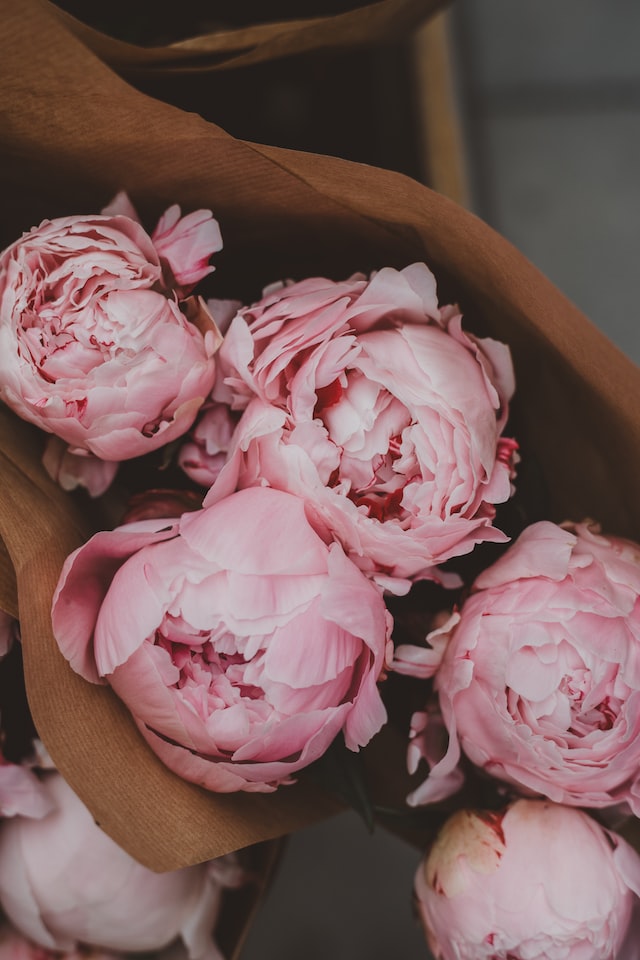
(272, 38)
(73, 134)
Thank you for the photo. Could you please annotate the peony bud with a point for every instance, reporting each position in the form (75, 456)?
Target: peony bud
(537, 881)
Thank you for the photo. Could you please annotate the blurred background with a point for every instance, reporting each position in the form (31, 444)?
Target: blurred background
(551, 105)
(528, 113)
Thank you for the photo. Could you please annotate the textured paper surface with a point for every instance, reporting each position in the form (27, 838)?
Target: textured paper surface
(233, 48)
(72, 133)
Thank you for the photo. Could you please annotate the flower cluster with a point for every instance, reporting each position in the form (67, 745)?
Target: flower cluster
(334, 443)
(537, 678)
(347, 440)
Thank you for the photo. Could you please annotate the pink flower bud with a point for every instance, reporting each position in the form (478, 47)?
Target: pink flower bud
(536, 882)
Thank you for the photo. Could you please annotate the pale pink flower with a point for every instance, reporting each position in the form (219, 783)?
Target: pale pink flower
(241, 642)
(535, 882)
(13, 946)
(65, 883)
(539, 679)
(371, 402)
(94, 347)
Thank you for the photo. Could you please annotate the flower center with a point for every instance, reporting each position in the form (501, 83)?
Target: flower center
(211, 676)
(367, 424)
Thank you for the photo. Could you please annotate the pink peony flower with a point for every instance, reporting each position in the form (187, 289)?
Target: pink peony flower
(539, 680)
(94, 347)
(536, 882)
(240, 641)
(368, 400)
(13, 946)
(64, 883)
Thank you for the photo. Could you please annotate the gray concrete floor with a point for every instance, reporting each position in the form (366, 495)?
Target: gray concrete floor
(552, 96)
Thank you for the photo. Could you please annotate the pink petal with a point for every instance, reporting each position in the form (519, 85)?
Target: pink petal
(71, 471)
(84, 582)
(187, 243)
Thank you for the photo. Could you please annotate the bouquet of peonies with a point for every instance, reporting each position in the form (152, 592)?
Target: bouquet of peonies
(257, 520)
